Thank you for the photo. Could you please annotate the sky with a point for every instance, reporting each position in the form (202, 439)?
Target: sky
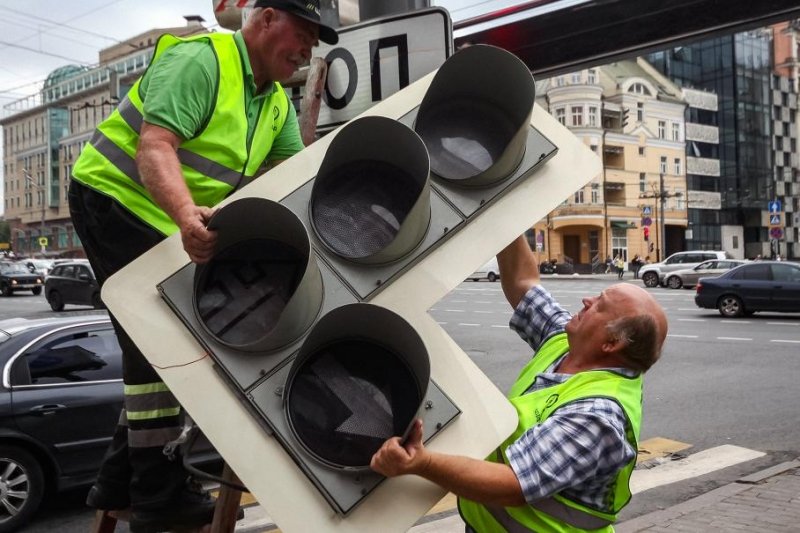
(38, 36)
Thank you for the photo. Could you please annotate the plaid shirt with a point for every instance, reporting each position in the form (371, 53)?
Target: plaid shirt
(578, 450)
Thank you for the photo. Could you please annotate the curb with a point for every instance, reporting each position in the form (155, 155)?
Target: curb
(715, 496)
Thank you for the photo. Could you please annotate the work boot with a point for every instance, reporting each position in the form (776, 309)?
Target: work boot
(191, 508)
(106, 498)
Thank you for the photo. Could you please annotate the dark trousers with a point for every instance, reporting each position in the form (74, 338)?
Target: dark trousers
(112, 237)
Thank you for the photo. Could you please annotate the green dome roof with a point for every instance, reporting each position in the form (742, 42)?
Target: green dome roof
(62, 73)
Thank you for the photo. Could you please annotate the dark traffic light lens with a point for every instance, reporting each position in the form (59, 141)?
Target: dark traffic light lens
(347, 398)
(465, 138)
(243, 291)
(358, 209)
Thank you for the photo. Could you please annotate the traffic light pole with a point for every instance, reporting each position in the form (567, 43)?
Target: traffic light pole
(38, 187)
(660, 208)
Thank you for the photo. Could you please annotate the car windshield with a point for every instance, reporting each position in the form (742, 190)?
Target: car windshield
(41, 263)
(14, 268)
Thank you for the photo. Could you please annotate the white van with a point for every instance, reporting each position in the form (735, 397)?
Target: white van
(488, 271)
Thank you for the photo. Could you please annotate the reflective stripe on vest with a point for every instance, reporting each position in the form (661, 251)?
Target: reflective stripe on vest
(127, 164)
(557, 513)
(214, 163)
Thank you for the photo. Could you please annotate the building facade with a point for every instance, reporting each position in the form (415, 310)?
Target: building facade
(634, 118)
(757, 122)
(45, 132)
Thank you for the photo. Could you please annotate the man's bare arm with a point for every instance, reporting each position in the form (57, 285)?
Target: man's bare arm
(519, 270)
(474, 479)
(160, 170)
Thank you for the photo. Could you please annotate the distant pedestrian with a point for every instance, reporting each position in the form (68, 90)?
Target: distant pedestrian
(620, 266)
(609, 264)
(636, 264)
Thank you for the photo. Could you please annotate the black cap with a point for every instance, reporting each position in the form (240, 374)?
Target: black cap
(305, 9)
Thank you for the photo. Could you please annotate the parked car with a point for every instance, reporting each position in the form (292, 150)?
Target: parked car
(755, 286)
(62, 394)
(654, 274)
(40, 266)
(15, 276)
(488, 271)
(60, 400)
(72, 283)
(687, 278)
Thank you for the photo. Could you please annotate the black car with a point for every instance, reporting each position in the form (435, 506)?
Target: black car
(60, 400)
(756, 286)
(72, 283)
(17, 277)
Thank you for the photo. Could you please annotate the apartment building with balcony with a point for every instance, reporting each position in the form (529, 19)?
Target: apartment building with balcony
(634, 119)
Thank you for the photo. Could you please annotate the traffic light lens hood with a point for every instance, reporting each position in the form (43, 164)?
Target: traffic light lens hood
(358, 379)
(370, 200)
(263, 288)
(474, 116)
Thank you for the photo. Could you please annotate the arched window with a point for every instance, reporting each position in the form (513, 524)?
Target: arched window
(639, 88)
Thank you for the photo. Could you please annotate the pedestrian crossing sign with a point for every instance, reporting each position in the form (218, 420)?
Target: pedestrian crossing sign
(774, 220)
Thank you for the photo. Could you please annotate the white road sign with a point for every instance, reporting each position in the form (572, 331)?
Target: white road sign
(376, 58)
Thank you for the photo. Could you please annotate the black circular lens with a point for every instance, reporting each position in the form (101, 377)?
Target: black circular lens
(241, 293)
(357, 209)
(347, 398)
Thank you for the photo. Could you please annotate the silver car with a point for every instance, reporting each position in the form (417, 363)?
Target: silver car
(688, 277)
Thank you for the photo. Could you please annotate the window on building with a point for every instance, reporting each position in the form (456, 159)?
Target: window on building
(619, 243)
(639, 88)
(640, 112)
(642, 183)
(641, 150)
(579, 196)
(591, 76)
(595, 193)
(577, 115)
(663, 165)
(680, 199)
(576, 77)
(676, 131)
(561, 115)
(592, 116)
(678, 166)
(662, 129)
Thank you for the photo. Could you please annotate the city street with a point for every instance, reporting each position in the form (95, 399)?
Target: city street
(721, 384)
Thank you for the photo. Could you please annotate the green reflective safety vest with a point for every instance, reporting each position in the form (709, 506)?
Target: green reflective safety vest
(557, 513)
(214, 163)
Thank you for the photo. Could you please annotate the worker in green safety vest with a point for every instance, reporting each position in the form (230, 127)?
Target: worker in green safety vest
(201, 122)
(567, 466)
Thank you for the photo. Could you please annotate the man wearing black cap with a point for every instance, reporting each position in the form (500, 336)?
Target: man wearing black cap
(198, 125)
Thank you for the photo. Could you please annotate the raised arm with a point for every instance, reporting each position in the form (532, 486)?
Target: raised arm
(519, 270)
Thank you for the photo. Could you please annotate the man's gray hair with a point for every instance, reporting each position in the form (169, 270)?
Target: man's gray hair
(639, 334)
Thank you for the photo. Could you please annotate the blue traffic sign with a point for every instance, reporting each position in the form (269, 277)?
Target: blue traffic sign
(774, 206)
(646, 211)
(774, 220)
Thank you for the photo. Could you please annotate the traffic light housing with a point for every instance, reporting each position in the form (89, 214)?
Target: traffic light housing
(646, 233)
(376, 295)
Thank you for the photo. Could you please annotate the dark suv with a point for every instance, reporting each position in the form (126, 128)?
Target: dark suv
(16, 277)
(72, 283)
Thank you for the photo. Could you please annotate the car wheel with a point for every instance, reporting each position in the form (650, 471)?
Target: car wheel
(36, 291)
(492, 277)
(21, 487)
(97, 302)
(674, 282)
(730, 306)
(55, 300)
(6, 290)
(650, 279)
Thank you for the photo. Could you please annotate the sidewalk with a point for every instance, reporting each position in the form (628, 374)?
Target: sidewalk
(764, 502)
(767, 501)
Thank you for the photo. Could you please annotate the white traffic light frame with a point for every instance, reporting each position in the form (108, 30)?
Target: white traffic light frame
(262, 464)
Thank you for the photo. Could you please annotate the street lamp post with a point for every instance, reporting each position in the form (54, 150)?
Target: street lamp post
(659, 193)
(30, 180)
